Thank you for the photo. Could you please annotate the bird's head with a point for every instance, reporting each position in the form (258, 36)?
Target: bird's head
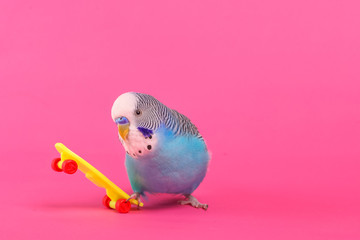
(137, 110)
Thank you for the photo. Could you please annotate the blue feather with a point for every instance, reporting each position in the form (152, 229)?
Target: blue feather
(177, 165)
(146, 132)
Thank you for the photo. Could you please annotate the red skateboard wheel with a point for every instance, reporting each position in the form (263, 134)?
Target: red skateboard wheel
(106, 201)
(122, 206)
(54, 165)
(69, 166)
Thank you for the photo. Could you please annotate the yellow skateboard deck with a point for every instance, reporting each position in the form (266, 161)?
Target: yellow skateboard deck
(91, 173)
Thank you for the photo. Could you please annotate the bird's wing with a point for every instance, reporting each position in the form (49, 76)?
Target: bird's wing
(181, 125)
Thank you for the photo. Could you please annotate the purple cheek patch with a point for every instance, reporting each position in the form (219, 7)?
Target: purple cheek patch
(146, 132)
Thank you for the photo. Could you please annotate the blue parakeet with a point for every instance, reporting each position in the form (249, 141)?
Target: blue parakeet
(165, 152)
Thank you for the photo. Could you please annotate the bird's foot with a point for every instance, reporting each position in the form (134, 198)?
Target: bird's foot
(191, 200)
(135, 196)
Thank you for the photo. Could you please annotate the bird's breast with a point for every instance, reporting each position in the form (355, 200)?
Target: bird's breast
(137, 145)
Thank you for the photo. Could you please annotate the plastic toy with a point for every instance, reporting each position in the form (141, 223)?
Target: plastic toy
(69, 163)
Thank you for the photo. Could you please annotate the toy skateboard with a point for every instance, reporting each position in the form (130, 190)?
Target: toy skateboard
(69, 163)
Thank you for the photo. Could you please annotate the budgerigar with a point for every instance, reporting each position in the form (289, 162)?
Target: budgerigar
(165, 152)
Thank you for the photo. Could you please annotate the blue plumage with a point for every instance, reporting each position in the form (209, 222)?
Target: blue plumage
(146, 132)
(177, 165)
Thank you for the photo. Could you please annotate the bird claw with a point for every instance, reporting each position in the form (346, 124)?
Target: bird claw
(135, 196)
(191, 200)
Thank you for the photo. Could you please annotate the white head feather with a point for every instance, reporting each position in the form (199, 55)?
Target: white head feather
(124, 105)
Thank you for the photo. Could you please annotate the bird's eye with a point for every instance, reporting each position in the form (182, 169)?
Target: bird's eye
(138, 112)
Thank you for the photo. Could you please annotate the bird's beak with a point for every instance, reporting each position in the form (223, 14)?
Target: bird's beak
(123, 130)
(123, 126)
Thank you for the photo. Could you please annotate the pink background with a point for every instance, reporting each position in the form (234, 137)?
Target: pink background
(272, 85)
